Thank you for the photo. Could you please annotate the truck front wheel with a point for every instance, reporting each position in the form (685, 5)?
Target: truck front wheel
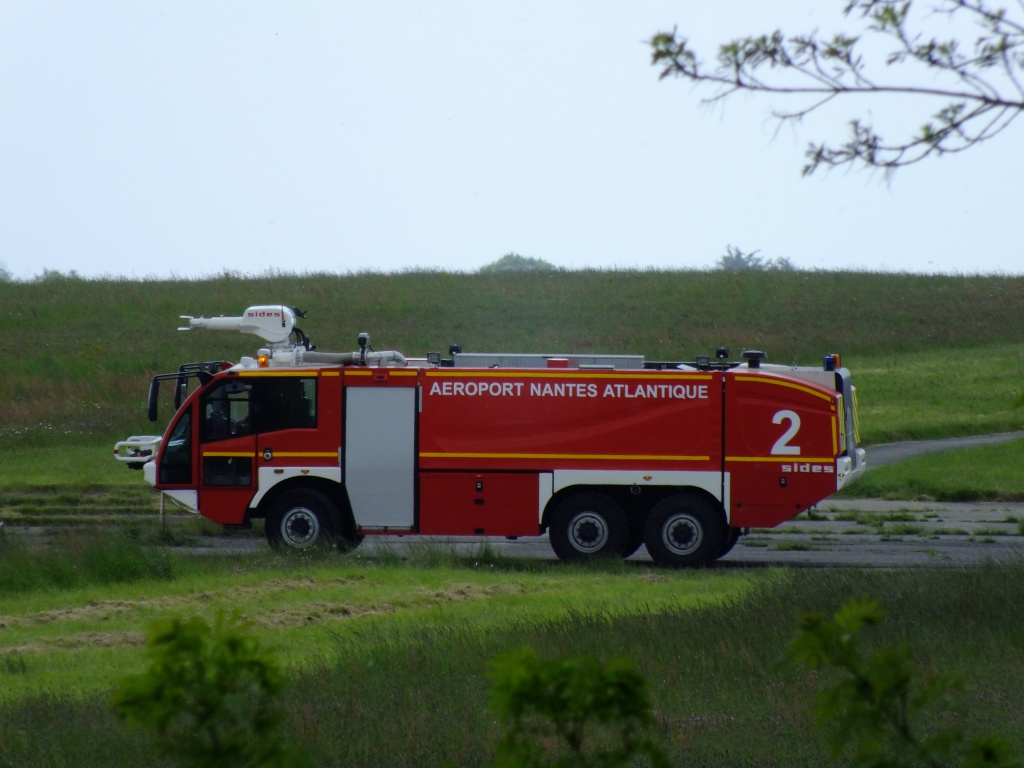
(301, 519)
(731, 537)
(587, 526)
(685, 530)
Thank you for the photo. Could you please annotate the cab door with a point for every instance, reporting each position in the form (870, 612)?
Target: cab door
(227, 451)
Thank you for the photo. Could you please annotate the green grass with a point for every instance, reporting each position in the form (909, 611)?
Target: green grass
(74, 485)
(877, 519)
(366, 687)
(74, 614)
(983, 473)
(95, 558)
(70, 467)
(933, 393)
(931, 355)
(387, 659)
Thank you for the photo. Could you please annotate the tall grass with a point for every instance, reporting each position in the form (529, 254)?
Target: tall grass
(76, 610)
(73, 560)
(77, 467)
(87, 348)
(983, 473)
(406, 685)
(722, 697)
(940, 392)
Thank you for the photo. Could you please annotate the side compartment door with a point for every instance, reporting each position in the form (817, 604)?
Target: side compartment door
(380, 447)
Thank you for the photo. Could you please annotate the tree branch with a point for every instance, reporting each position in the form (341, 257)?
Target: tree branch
(984, 96)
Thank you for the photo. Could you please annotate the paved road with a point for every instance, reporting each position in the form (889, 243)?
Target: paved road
(858, 533)
(874, 533)
(881, 534)
(855, 532)
(880, 455)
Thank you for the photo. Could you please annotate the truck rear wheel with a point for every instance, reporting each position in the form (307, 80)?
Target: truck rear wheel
(635, 537)
(587, 526)
(302, 519)
(685, 530)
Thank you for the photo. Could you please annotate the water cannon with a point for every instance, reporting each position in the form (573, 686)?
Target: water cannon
(286, 345)
(273, 323)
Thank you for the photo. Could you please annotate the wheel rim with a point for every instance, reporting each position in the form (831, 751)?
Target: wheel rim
(588, 532)
(682, 534)
(300, 527)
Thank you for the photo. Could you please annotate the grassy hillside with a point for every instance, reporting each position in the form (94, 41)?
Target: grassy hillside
(80, 353)
(406, 665)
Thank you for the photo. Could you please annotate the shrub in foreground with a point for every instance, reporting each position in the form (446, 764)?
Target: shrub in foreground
(209, 697)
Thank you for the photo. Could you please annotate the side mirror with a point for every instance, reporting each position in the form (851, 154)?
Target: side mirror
(154, 393)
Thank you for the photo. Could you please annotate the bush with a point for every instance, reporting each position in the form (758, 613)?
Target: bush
(513, 262)
(872, 713)
(559, 709)
(735, 260)
(209, 697)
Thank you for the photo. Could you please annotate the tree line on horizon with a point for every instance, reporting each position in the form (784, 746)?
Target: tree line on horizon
(733, 260)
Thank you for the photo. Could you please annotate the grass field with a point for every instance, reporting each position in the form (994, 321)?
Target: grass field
(76, 620)
(387, 660)
(932, 355)
(983, 473)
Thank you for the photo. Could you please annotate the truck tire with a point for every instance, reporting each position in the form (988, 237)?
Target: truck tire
(587, 526)
(635, 537)
(731, 537)
(685, 529)
(302, 519)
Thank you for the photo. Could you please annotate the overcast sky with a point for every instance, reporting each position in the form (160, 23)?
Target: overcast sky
(186, 138)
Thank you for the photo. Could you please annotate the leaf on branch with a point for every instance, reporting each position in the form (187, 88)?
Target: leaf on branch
(985, 89)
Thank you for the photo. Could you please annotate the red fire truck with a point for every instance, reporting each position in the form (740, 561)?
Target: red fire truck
(603, 453)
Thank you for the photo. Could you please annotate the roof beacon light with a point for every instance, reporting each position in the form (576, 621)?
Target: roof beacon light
(833, 362)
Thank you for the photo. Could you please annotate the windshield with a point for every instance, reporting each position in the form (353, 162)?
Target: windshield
(176, 458)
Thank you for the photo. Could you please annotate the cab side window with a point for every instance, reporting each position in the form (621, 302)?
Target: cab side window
(227, 411)
(288, 402)
(240, 407)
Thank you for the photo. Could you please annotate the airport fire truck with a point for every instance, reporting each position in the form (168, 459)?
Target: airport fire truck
(603, 453)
